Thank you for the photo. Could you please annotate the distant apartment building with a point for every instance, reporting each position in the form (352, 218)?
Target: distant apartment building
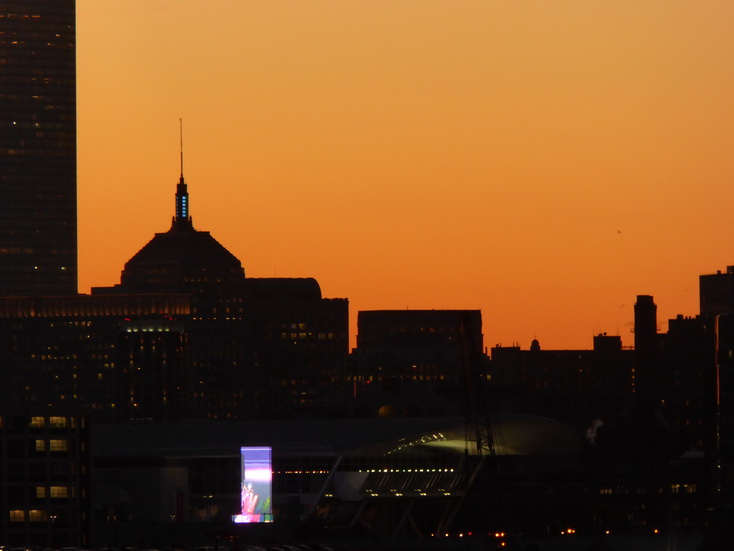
(574, 386)
(416, 362)
(44, 481)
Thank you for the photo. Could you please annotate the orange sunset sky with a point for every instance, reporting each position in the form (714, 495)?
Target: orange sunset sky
(543, 161)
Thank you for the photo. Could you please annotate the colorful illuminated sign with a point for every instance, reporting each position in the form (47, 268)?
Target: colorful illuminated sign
(256, 503)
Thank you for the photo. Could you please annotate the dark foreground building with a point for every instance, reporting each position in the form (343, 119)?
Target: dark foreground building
(45, 496)
(360, 478)
(38, 241)
(405, 483)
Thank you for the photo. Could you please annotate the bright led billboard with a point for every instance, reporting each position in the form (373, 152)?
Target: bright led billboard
(256, 489)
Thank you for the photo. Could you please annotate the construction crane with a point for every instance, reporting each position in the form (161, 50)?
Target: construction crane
(479, 452)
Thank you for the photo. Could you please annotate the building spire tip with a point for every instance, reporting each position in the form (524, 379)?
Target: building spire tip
(180, 137)
(182, 218)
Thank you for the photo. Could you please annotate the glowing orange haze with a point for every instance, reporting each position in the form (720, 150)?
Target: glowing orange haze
(544, 162)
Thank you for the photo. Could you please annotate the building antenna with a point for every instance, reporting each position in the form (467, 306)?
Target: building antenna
(180, 137)
(182, 218)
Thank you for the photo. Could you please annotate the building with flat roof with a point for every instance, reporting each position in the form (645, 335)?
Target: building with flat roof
(413, 363)
(574, 386)
(44, 481)
(38, 213)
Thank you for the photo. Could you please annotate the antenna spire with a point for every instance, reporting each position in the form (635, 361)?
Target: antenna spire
(182, 218)
(180, 137)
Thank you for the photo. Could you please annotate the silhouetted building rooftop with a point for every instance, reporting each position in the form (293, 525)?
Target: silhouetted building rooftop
(282, 287)
(178, 260)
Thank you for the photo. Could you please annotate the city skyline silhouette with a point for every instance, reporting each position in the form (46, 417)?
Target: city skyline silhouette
(543, 163)
(391, 153)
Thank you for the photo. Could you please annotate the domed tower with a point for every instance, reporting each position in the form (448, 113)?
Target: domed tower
(182, 260)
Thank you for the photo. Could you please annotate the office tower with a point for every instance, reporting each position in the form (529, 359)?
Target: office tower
(38, 238)
(416, 363)
(573, 386)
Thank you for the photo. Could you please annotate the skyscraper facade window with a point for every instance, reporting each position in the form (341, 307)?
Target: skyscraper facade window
(38, 215)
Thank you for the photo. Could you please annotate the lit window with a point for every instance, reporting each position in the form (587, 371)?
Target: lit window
(59, 491)
(40, 445)
(38, 422)
(17, 515)
(36, 516)
(58, 445)
(40, 491)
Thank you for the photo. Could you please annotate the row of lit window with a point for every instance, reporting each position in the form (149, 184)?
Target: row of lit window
(399, 494)
(55, 492)
(34, 515)
(52, 445)
(50, 357)
(674, 489)
(37, 125)
(149, 329)
(394, 330)
(51, 422)
(380, 378)
(71, 324)
(65, 397)
(303, 472)
(20, 16)
(406, 470)
(56, 151)
(320, 336)
(683, 488)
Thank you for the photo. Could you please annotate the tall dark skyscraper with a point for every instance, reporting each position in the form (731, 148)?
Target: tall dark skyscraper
(38, 220)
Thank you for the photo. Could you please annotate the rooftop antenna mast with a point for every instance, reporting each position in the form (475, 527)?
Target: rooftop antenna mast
(182, 218)
(180, 137)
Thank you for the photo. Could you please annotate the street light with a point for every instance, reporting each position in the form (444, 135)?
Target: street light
(52, 520)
